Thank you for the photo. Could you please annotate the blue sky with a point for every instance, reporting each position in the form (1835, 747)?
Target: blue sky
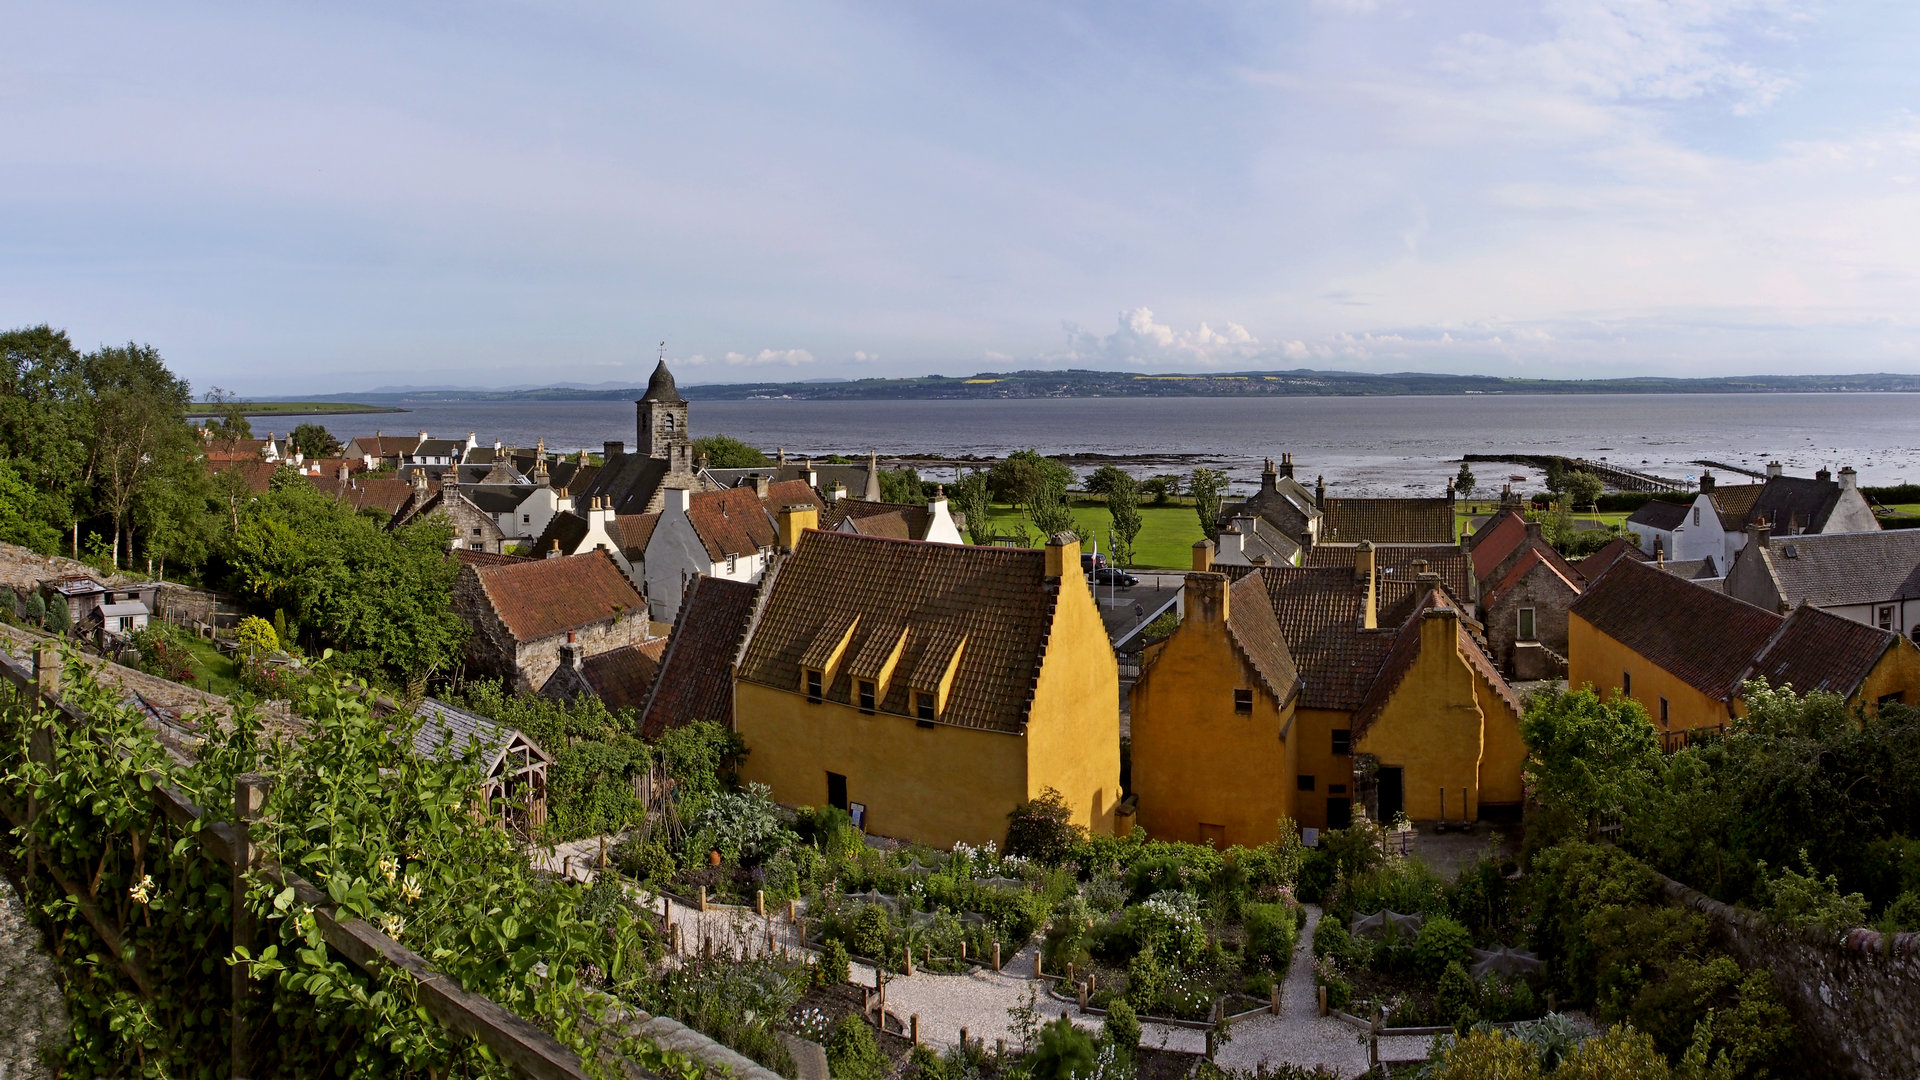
(300, 198)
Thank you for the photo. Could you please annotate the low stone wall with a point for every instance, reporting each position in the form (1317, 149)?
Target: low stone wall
(1856, 995)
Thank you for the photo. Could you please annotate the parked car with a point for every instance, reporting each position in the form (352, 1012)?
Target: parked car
(1091, 561)
(1107, 575)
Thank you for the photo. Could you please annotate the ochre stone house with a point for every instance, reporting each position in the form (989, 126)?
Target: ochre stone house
(523, 612)
(1224, 742)
(928, 688)
(695, 681)
(1683, 651)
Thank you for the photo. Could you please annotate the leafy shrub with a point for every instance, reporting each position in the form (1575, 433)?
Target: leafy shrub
(1455, 994)
(1315, 877)
(1147, 981)
(1042, 829)
(1167, 924)
(744, 825)
(1122, 1026)
(1806, 899)
(36, 608)
(835, 969)
(1064, 1052)
(869, 932)
(1442, 942)
(1904, 912)
(255, 637)
(852, 1053)
(645, 860)
(1271, 932)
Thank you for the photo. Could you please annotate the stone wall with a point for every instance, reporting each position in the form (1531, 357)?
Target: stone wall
(1856, 996)
(537, 660)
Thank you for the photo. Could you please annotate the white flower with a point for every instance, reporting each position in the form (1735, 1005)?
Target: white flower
(389, 867)
(142, 892)
(410, 889)
(392, 926)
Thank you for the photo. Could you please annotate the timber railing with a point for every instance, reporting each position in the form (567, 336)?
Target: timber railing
(522, 1045)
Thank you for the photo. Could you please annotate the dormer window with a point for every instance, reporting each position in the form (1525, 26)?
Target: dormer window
(923, 706)
(813, 686)
(866, 697)
(732, 562)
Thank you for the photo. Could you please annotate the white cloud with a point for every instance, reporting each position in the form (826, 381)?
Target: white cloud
(1139, 339)
(787, 357)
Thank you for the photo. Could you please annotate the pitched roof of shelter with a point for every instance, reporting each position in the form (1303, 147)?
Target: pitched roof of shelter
(1387, 521)
(1842, 569)
(621, 677)
(1818, 650)
(448, 731)
(901, 521)
(537, 598)
(694, 681)
(1702, 636)
(993, 605)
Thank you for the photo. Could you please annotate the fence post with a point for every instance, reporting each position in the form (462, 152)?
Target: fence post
(760, 901)
(793, 911)
(1273, 1002)
(996, 958)
(1080, 991)
(1323, 1001)
(46, 670)
(703, 898)
(909, 967)
(913, 1028)
(1036, 964)
(249, 796)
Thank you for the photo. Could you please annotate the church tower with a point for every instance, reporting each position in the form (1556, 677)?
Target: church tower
(661, 423)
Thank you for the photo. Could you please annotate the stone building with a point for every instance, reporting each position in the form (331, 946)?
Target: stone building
(1526, 589)
(474, 527)
(524, 612)
(1310, 517)
(636, 482)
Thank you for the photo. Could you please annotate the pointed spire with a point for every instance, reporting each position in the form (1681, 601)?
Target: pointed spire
(661, 388)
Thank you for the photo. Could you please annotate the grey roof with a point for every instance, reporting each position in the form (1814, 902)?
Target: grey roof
(447, 731)
(1839, 569)
(629, 480)
(446, 448)
(1664, 516)
(1804, 501)
(660, 387)
(124, 607)
(498, 498)
(1692, 569)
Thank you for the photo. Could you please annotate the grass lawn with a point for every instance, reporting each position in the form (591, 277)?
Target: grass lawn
(213, 671)
(1166, 535)
(1464, 512)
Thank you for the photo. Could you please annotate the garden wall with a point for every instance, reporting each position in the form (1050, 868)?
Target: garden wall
(1856, 997)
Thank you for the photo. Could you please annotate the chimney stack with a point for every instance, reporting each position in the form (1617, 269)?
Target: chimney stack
(1825, 475)
(1269, 476)
(610, 450)
(760, 486)
(570, 653)
(1706, 482)
(1286, 464)
(839, 492)
(679, 499)
(1207, 598)
(795, 520)
(1760, 534)
(1534, 531)
(1063, 556)
(1774, 469)
(1363, 573)
(1849, 479)
(1320, 491)
(1202, 556)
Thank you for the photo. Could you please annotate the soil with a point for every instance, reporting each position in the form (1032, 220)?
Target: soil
(1157, 1064)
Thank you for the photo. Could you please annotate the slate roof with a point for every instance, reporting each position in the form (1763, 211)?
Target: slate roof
(447, 731)
(571, 476)
(628, 479)
(1596, 564)
(901, 521)
(1701, 569)
(451, 449)
(997, 599)
(661, 388)
(1841, 569)
(1262, 543)
(538, 598)
(1804, 501)
(497, 499)
(695, 678)
(1387, 521)
(1456, 569)
(564, 532)
(621, 677)
(1287, 506)
(1818, 650)
(1660, 516)
(1701, 636)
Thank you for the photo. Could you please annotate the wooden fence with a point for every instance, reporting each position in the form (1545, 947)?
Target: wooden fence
(527, 1049)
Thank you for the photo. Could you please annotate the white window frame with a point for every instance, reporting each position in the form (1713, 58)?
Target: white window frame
(1526, 625)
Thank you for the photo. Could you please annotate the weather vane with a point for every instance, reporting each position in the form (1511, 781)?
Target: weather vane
(663, 352)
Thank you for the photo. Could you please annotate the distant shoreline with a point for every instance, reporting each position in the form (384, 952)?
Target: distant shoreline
(299, 408)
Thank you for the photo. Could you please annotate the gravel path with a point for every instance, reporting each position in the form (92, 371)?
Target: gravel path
(33, 1010)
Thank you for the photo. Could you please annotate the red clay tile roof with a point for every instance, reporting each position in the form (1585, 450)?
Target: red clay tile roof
(1252, 626)
(1387, 521)
(1495, 540)
(695, 678)
(1735, 504)
(538, 598)
(1406, 651)
(1539, 554)
(256, 474)
(1818, 650)
(737, 521)
(1597, 563)
(1396, 561)
(998, 599)
(387, 445)
(621, 677)
(1701, 636)
(631, 532)
(486, 558)
(901, 521)
(1319, 613)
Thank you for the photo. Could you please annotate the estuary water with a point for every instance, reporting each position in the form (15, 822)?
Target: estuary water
(1370, 445)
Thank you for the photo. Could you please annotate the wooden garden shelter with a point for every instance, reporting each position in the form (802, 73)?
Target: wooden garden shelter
(514, 765)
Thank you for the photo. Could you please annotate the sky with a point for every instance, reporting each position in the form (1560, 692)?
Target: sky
(301, 198)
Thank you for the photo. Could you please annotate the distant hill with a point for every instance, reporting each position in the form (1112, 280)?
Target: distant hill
(1083, 383)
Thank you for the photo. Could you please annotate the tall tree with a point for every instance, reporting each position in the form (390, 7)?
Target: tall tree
(902, 486)
(1123, 502)
(139, 425)
(1049, 514)
(315, 441)
(43, 408)
(23, 516)
(1024, 474)
(1463, 481)
(970, 500)
(1206, 487)
(1102, 480)
(229, 420)
(727, 452)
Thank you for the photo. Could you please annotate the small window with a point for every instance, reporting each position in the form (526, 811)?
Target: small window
(1894, 698)
(1663, 712)
(1342, 741)
(666, 422)
(923, 706)
(1696, 515)
(476, 531)
(1626, 683)
(813, 686)
(1886, 618)
(1304, 783)
(1524, 631)
(526, 519)
(732, 562)
(1243, 702)
(866, 697)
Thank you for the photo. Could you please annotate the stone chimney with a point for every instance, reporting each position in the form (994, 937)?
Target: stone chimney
(1202, 556)
(839, 492)
(553, 552)
(418, 477)
(423, 436)
(780, 456)
(760, 485)
(570, 653)
(794, 520)
(1534, 531)
(1286, 464)
(1232, 539)
(1759, 534)
(610, 449)
(678, 500)
(1706, 482)
(600, 514)
(1063, 556)
(1420, 568)
(1269, 476)
(540, 475)
(1825, 475)
(1774, 469)
(1363, 573)
(1848, 478)
(1207, 598)
(1320, 491)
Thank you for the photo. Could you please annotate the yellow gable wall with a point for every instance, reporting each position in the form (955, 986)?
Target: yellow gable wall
(1312, 743)
(1197, 761)
(1898, 672)
(937, 785)
(1431, 727)
(1503, 752)
(1595, 658)
(1073, 730)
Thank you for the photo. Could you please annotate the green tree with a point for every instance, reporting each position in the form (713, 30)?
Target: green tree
(255, 636)
(1042, 829)
(59, 616)
(1023, 475)
(727, 452)
(902, 486)
(314, 441)
(1586, 755)
(1102, 480)
(1556, 475)
(969, 499)
(1064, 1052)
(1123, 503)
(229, 420)
(23, 512)
(44, 411)
(1585, 487)
(1048, 513)
(852, 1053)
(1207, 486)
(139, 428)
(1161, 487)
(1463, 481)
(181, 513)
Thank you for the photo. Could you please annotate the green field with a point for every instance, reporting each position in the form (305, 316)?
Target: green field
(213, 671)
(1166, 535)
(295, 408)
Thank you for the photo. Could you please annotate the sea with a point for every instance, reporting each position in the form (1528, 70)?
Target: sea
(1361, 445)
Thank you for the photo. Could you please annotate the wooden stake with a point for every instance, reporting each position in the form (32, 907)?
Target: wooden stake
(703, 898)
(1273, 1000)
(249, 795)
(913, 1028)
(996, 957)
(760, 902)
(909, 969)
(1036, 964)
(1323, 1001)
